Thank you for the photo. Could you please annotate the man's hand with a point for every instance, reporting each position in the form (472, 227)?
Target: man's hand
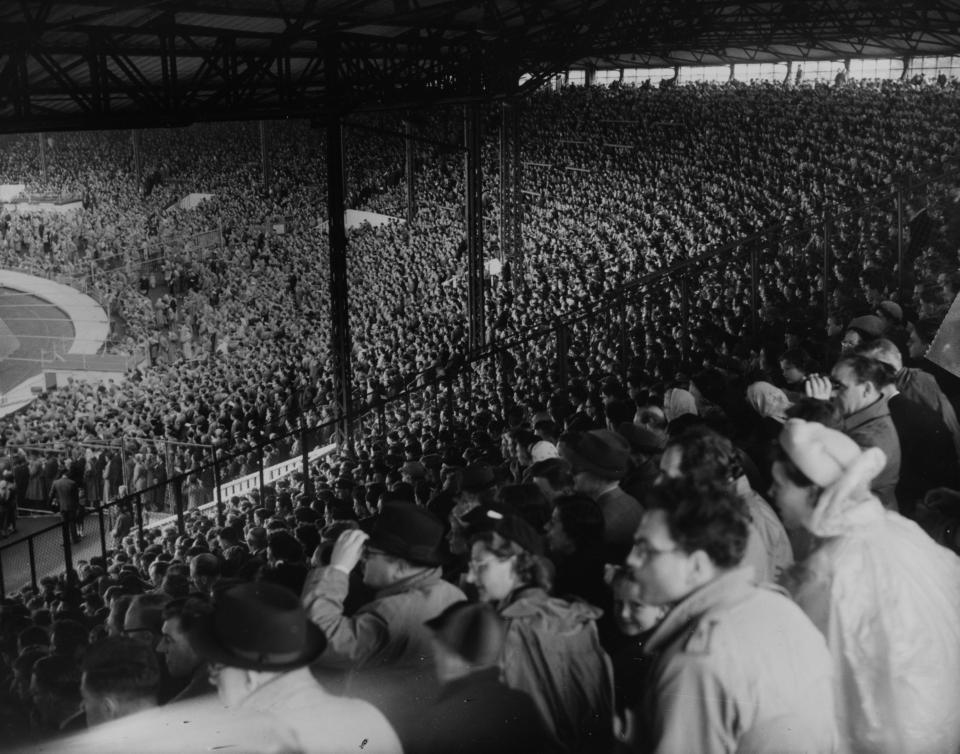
(348, 550)
(819, 387)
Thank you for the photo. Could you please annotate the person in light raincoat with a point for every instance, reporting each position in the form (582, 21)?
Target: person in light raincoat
(884, 594)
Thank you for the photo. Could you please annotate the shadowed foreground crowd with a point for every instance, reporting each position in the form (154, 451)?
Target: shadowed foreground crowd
(595, 577)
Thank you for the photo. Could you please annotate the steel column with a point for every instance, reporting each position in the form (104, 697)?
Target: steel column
(474, 223)
(410, 170)
(265, 172)
(826, 265)
(42, 141)
(754, 285)
(339, 294)
(900, 277)
(137, 142)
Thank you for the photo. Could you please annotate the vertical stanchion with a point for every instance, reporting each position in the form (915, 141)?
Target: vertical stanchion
(67, 546)
(217, 492)
(826, 265)
(141, 536)
(563, 347)
(684, 316)
(409, 171)
(450, 415)
(624, 340)
(3, 586)
(177, 488)
(900, 276)
(260, 470)
(305, 457)
(32, 554)
(101, 520)
(754, 285)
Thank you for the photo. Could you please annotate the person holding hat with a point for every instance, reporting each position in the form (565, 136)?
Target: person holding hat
(600, 459)
(882, 592)
(385, 638)
(258, 643)
(552, 650)
(475, 712)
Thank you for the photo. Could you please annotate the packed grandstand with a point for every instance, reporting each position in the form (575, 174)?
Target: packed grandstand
(691, 255)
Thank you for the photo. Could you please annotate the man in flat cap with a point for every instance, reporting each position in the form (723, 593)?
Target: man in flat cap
(600, 459)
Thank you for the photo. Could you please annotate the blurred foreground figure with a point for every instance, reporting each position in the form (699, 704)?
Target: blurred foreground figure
(884, 594)
(476, 712)
(734, 666)
(257, 644)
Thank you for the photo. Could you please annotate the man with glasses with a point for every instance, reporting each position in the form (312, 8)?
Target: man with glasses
(734, 665)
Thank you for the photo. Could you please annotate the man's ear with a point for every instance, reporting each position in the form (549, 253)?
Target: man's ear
(700, 569)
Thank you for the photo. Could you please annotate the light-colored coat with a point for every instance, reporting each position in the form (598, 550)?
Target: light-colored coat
(737, 668)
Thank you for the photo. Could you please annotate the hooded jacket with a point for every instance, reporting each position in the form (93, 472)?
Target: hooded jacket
(887, 599)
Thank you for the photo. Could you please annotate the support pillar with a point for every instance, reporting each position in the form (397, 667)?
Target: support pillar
(511, 209)
(136, 139)
(900, 275)
(409, 170)
(42, 141)
(474, 223)
(827, 221)
(339, 314)
(265, 172)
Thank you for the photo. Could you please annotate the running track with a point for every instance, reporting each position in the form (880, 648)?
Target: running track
(38, 325)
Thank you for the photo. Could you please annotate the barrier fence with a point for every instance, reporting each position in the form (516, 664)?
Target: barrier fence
(663, 312)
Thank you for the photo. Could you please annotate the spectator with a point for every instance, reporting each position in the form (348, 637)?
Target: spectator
(895, 670)
(599, 460)
(751, 646)
(468, 641)
(258, 644)
(120, 677)
(572, 689)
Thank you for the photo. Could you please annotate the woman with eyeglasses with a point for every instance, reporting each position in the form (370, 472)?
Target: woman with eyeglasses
(552, 650)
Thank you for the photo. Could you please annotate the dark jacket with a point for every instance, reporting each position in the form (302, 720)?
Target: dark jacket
(478, 714)
(872, 427)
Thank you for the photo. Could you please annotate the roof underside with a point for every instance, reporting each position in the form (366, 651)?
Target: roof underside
(101, 64)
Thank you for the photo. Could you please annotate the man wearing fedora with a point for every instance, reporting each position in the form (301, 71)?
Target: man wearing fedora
(385, 647)
(600, 459)
(258, 644)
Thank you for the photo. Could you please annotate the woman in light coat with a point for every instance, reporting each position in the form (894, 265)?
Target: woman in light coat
(884, 594)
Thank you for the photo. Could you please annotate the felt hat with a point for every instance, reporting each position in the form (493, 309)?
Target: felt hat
(642, 439)
(414, 469)
(600, 452)
(408, 531)
(515, 529)
(258, 626)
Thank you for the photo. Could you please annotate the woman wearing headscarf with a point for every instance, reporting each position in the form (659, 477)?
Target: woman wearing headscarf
(884, 594)
(552, 650)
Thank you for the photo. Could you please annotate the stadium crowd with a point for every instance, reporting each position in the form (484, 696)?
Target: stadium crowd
(658, 555)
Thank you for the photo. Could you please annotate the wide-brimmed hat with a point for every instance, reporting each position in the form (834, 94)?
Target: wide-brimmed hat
(258, 626)
(600, 452)
(408, 531)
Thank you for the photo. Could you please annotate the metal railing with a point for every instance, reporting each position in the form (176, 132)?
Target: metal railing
(668, 305)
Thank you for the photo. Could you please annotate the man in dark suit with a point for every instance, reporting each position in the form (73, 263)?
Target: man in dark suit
(66, 494)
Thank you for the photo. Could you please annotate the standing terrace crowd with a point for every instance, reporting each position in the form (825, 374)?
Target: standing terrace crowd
(485, 541)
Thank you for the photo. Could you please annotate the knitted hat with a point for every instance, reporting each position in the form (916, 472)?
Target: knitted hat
(869, 324)
(820, 453)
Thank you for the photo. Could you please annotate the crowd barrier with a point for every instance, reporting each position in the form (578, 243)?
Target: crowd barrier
(667, 303)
